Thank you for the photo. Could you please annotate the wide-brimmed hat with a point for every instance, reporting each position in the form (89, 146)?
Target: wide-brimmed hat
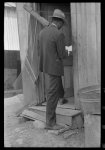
(59, 14)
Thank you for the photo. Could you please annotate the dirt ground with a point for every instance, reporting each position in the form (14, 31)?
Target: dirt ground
(20, 133)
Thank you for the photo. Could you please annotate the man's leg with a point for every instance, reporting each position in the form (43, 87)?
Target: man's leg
(62, 100)
(52, 99)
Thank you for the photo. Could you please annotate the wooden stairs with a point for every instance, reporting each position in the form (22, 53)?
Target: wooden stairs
(66, 114)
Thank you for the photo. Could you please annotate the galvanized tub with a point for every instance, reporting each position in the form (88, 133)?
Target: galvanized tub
(90, 99)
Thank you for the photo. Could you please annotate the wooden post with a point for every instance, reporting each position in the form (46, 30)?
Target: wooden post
(42, 20)
(85, 18)
(29, 88)
(75, 54)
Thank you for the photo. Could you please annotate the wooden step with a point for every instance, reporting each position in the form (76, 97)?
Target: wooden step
(64, 106)
(69, 117)
(69, 105)
(32, 115)
(60, 111)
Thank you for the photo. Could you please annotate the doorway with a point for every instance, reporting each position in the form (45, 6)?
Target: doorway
(46, 11)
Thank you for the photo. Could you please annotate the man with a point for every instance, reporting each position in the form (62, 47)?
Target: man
(52, 52)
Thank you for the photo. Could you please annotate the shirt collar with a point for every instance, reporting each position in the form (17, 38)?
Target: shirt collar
(54, 24)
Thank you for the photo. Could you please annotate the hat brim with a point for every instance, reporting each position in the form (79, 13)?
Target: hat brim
(65, 22)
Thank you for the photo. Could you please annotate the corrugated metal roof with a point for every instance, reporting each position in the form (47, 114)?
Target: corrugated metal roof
(11, 37)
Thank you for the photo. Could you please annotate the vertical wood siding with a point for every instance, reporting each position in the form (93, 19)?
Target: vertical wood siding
(28, 33)
(29, 89)
(85, 18)
(11, 37)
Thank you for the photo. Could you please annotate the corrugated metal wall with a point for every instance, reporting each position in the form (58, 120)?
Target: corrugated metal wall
(11, 38)
(12, 66)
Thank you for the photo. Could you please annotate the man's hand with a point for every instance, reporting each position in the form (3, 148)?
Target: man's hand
(69, 49)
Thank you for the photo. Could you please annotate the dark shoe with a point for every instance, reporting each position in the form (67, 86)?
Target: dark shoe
(62, 101)
(55, 127)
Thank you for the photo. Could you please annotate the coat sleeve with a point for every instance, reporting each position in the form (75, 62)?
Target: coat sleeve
(61, 46)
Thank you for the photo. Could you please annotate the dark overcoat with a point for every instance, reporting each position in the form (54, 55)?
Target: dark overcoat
(51, 47)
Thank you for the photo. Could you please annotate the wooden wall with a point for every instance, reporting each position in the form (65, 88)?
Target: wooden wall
(86, 21)
(29, 89)
(29, 29)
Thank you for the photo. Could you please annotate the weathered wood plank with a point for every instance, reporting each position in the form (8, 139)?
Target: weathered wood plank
(40, 114)
(30, 90)
(18, 82)
(23, 21)
(75, 53)
(60, 111)
(91, 44)
(83, 76)
(86, 56)
(64, 106)
(33, 115)
(81, 32)
(98, 40)
(43, 21)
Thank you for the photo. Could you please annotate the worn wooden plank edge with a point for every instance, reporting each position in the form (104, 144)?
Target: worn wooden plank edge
(33, 115)
(42, 108)
(64, 106)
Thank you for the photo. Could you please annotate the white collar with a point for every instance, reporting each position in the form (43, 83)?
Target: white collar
(54, 24)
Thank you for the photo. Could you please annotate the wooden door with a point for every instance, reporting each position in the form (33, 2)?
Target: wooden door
(46, 11)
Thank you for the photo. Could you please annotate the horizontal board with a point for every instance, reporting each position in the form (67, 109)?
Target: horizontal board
(60, 111)
(64, 106)
(33, 115)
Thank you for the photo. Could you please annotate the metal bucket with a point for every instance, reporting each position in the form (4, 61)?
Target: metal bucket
(90, 99)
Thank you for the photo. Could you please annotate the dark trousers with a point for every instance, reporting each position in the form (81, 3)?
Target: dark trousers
(55, 92)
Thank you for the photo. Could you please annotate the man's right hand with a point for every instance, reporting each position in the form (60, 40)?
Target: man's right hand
(69, 49)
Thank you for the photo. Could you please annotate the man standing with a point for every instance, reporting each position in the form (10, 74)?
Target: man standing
(52, 52)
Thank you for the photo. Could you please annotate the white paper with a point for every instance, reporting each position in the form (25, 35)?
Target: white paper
(68, 48)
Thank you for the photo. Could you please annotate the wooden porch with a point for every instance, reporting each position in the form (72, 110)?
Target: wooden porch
(66, 114)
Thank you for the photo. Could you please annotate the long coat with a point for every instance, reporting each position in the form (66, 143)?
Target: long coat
(51, 46)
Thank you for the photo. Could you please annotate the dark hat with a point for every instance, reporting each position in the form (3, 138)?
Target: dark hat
(59, 14)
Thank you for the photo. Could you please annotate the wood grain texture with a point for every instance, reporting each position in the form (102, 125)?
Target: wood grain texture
(26, 38)
(60, 111)
(75, 53)
(98, 40)
(85, 19)
(91, 44)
